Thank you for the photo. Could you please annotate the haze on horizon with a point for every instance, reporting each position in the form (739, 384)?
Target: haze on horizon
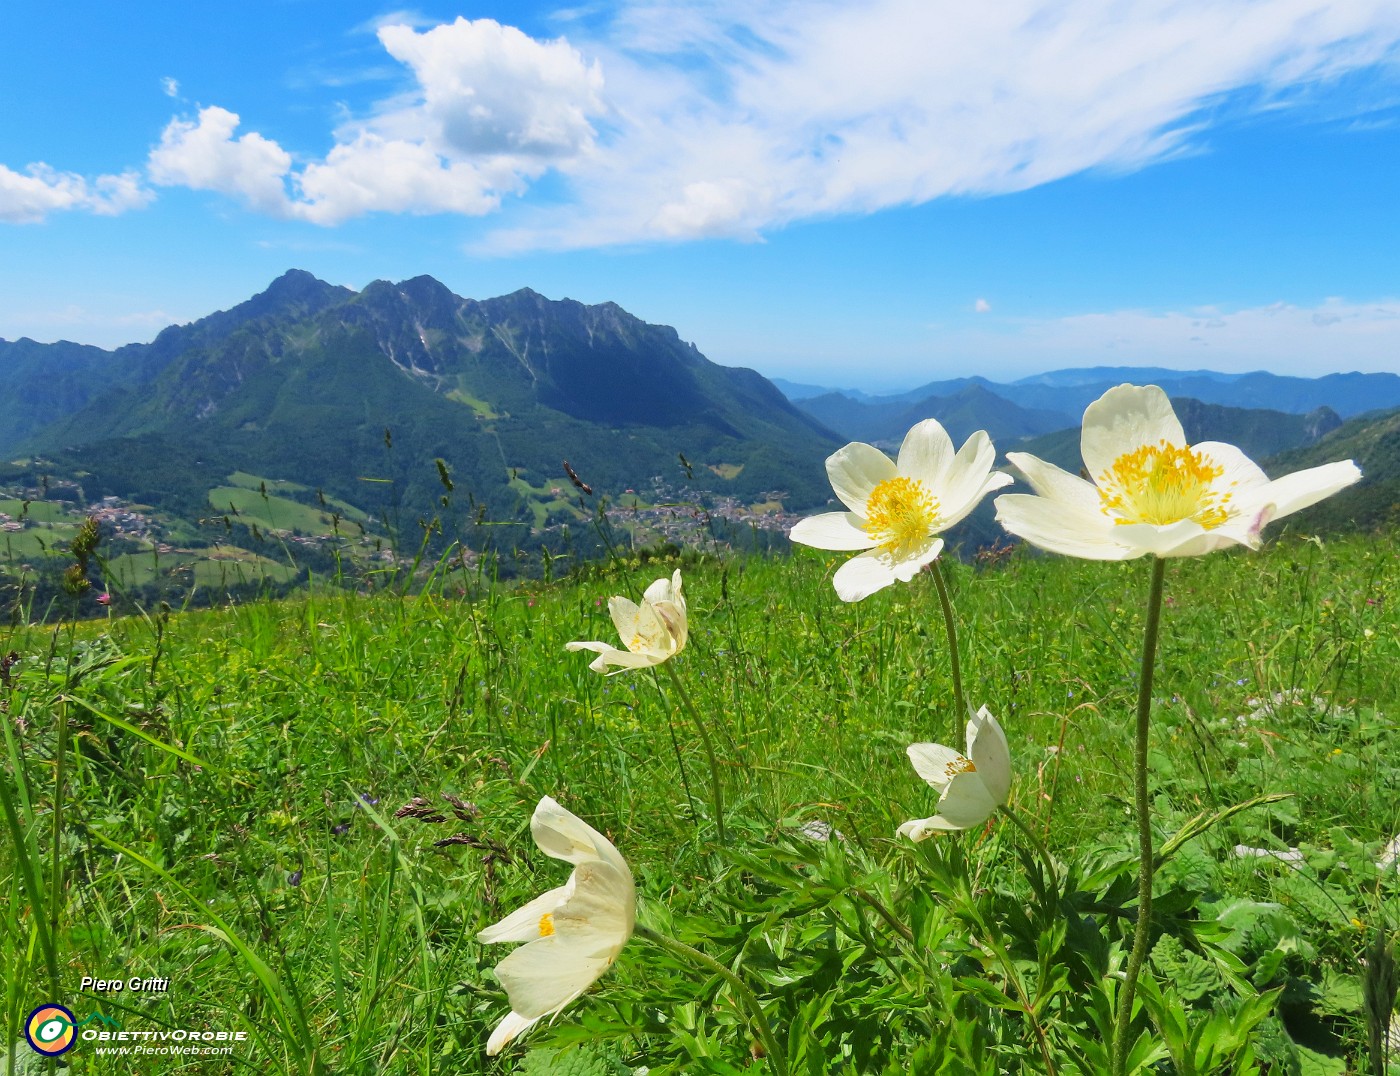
(812, 190)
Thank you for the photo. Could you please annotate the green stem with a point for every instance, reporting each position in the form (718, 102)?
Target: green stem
(1035, 840)
(884, 913)
(716, 788)
(1144, 820)
(56, 844)
(765, 1033)
(952, 629)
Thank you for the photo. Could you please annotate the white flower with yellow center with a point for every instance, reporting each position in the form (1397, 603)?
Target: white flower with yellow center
(898, 510)
(574, 932)
(651, 632)
(1149, 492)
(970, 787)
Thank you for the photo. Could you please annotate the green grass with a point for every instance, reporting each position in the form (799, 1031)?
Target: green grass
(270, 511)
(217, 567)
(39, 511)
(230, 778)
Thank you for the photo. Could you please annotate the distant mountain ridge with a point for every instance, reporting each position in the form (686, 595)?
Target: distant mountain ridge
(1068, 392)
(1046, 403)
(330, 387)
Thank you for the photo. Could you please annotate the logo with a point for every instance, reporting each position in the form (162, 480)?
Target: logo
(50, 1030)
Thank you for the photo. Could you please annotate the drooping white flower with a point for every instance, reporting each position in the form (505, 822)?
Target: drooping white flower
(970, 787)
(1150, 492)
(898, 509)
(574, 933)
(652, 632)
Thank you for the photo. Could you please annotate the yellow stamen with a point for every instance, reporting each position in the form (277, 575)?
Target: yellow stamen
(1162, 484)
(957, 766)
(900, 514)
(546, 924)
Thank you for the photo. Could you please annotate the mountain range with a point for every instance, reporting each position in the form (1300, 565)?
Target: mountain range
(1056, 400)
(327, 386)
(311, 406)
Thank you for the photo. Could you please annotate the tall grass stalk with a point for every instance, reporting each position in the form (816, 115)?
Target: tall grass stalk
(716, 781)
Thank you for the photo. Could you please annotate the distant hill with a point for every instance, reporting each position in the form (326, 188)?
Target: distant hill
(1373, 441)
(1068, 392)
(969, 407)
(303, 380)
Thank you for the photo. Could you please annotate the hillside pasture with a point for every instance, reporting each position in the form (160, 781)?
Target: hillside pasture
(253, 802)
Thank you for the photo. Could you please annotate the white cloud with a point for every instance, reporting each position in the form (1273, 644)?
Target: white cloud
(739, 116)
(205, 156)
(491, 110)
(670, 120)
(1334, 335)
(981, 306)
(488, 89)
(372, 174)
(170, 87)
(30, 196)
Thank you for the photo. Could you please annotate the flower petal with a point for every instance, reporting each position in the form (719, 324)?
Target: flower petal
(856, 470)
(511, 1026)
(561, 834)
(926, 454)
(862, 576)
(831, 530)
(1050, 481)
(1124, 418)
(665, 590)
(523, 924)
(1296, 491)
(1184, 538)
(610, 655)
(542, 977)
(918, 829)
(990, 753)
(912, 563)
(601, 910)
(1052, 524)
(969, 479)
(935, 763)
(624, 615)
(966, 802)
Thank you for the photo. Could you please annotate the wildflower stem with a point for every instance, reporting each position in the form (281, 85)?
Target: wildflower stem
(760, 1022)
(1144, 820)
(1034, 838)
(716, 788)
(952, 628)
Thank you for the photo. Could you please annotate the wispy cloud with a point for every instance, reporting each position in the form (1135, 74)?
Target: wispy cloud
(30, 196)
(1336, 334)
(671, 120)
(734, 118)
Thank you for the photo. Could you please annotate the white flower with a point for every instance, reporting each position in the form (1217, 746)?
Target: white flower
(652, 632)
(574, 932)
(1151, 493)
(970, 787)
(897, 510)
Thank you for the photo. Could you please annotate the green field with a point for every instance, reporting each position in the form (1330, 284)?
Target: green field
(217, 567)
(211, 797)
(38, 511)
(269, 510)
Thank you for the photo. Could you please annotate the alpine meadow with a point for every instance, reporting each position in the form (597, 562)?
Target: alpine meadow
(700, 538)
(321, 816)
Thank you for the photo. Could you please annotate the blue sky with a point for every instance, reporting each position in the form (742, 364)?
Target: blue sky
(872, 194)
